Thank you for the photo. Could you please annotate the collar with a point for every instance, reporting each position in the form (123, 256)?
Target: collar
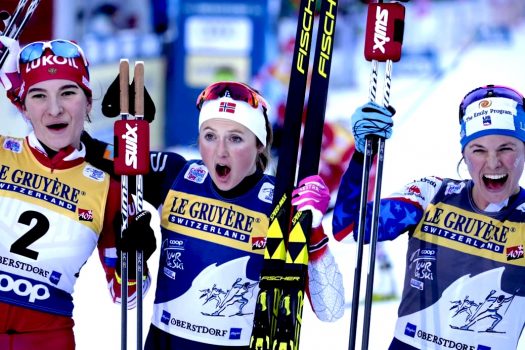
(67, 157)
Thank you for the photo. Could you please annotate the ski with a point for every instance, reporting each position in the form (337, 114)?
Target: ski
(16, 22)
(278, 314)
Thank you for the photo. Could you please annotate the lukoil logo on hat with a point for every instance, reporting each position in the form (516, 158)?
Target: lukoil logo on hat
(50, 66)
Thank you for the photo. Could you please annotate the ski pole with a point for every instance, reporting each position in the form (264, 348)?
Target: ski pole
(138, 78)
(374, 219)
(384, 35)
(131, 159)
(16, 22)
(124, 114)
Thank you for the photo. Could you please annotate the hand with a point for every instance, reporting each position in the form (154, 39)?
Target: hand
(111, 101)
(9, 76)
(312, 194)
(137, 236)
(371, 119)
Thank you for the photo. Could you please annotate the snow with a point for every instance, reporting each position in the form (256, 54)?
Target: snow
(425, 142)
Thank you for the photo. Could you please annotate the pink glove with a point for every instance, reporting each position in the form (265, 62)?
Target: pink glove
(312, 194)
(9, 76)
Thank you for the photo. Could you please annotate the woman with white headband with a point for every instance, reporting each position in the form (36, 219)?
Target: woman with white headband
(214, 220)
(465, 266)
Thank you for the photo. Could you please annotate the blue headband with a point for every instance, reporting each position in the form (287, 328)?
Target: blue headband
(492, 116)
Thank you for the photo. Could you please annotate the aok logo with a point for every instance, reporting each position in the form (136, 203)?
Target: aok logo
(23, 288)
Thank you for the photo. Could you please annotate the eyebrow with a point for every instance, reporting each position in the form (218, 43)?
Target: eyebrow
(506, 144)
(63, 87)
(235, 130)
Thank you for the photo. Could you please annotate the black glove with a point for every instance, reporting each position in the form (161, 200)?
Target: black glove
(111, 101)
(95, 152)
(137, 236)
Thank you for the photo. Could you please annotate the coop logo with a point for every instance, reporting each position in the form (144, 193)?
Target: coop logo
(23, 288)
(380, 38)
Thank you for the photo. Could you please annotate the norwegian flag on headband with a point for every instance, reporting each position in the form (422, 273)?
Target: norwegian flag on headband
(228, 107)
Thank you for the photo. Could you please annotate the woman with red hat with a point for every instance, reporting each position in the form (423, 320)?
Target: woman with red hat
(56, 208)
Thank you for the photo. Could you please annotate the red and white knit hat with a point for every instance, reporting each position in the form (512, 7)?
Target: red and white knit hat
(50, 66)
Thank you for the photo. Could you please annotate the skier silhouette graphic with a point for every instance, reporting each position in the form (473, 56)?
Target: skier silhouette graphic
(488, 309)
(212, 294)
(235, 295)
(464, 306)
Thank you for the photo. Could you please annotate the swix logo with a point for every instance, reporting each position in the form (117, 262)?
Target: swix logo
(23, 288)
(131, 138)
(380, 38)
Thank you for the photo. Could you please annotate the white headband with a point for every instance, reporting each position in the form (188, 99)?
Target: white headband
(237, 111)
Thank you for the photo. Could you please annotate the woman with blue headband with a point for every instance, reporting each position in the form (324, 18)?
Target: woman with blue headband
(464, 283)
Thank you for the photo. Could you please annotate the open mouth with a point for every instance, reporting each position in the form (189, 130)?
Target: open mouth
(58, 126)
(495, 182)
(222, 170)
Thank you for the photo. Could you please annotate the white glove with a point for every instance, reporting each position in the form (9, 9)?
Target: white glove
(9, 71)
